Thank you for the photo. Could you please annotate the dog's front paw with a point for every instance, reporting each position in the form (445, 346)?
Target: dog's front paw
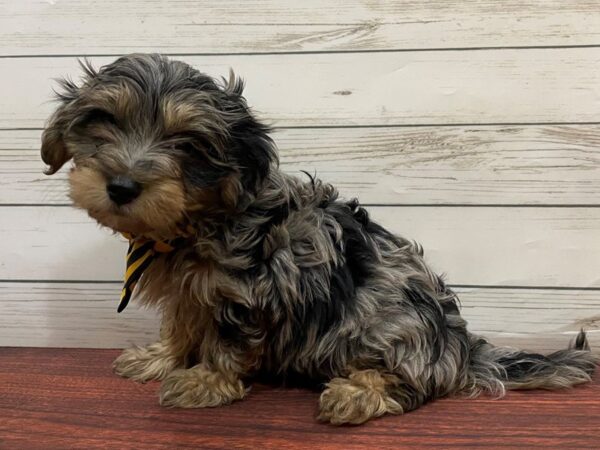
(145, 363)
(199, 388)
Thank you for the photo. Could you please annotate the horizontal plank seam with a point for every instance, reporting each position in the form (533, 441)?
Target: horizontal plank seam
(519, 287)
(433, 124)
(373, 205)
(318, 52)
(454, 286)
(395, 125)
(479, 205)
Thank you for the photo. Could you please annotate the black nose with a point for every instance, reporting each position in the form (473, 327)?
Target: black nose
(123, 190)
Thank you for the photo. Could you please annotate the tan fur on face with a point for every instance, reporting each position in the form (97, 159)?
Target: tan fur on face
(159, 208)
(177, 116)
(186, 114)
(118, 99)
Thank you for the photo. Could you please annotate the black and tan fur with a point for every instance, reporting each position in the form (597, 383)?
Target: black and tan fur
(281, 276)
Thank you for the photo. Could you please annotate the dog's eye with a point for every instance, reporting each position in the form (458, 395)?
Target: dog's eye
(97, 115)
(186, 147)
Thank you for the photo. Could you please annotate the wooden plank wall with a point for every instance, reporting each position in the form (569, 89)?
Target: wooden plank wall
(471, 126)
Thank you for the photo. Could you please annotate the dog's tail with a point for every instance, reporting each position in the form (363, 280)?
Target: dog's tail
(495, 369)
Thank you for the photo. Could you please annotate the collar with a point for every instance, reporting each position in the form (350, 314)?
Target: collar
(142, 251)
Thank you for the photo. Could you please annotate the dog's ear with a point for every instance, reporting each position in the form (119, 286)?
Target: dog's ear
(251, 145)
(54, 151)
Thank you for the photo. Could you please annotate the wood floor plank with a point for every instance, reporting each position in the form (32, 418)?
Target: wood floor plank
(59, 398)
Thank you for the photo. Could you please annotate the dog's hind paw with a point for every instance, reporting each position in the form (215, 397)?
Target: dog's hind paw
(356, 399)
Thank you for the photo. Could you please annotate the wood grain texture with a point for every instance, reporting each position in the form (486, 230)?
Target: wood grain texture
(466, 122)
(71, 315)
(57, 398)
(33, 27)
(390, 88)
(473, 246)
(530, 165)
(84, 315)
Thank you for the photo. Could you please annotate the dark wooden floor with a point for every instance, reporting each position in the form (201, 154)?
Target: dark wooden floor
(67, 398)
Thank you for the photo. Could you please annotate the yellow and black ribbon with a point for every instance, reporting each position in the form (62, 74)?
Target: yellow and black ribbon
(140, 255)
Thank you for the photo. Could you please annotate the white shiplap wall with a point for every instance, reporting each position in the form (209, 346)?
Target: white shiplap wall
(472, 126)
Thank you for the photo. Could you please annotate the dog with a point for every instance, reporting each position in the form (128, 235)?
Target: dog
(262, 272)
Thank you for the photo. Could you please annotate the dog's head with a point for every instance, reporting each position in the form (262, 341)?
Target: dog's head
(154, 141)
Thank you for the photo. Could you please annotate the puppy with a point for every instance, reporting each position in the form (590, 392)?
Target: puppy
(256, 271)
